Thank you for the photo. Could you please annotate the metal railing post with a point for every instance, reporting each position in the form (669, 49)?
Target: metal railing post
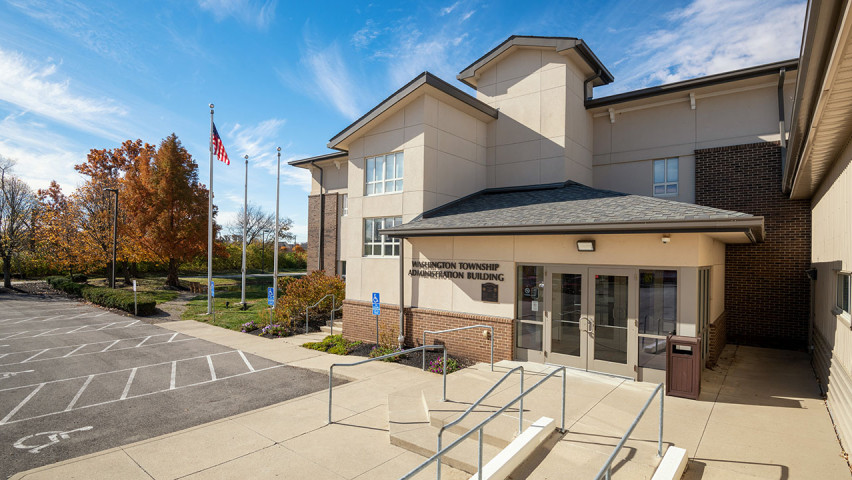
(660, 440)
(331, 331)
(562, 429)
(445, 373)
(307, 316)
(438, 466)
(521, 408)
(479, 470)
(330, 385)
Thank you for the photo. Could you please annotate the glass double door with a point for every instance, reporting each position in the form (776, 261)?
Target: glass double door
(590, 319)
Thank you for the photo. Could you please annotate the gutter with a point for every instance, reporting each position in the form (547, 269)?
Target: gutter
(321, 243)
(782, 140)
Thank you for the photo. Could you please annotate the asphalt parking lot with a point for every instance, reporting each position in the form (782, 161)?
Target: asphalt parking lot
(75, 379)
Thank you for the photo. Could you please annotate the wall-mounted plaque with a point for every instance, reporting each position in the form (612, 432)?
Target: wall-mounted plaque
(489, 292)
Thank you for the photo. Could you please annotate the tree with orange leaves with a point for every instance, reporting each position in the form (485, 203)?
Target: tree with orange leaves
(170, 205)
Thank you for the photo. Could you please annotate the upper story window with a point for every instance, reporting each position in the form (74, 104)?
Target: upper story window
(384, 174)
(843, 292)
(665, 177)
(344, 204)
(376, 245)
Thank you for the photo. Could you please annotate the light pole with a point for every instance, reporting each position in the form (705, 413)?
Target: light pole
(275, 262)
(114, 234)
(245, 227)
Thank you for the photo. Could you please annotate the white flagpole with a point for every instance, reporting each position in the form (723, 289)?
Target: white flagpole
(245, 228)
(210, 224)
(275, 262)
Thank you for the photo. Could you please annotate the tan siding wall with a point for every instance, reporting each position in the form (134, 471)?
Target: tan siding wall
(831, 247)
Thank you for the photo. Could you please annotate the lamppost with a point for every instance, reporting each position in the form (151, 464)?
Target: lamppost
(114, 234)
(245, 227)
(275, 252)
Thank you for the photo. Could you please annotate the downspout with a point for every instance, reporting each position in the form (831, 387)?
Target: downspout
(401, 338)
(321, 246)
(587, 93)
(781, 127)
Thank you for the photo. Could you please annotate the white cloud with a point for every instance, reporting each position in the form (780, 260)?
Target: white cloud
(365, 35)
(258, 141)
(329, 79)
(708, 37)
(252, 12)
(449, 10)
(34, 87)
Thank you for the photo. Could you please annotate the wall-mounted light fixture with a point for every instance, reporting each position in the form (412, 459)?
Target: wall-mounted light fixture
(666, 239)
(585, 245)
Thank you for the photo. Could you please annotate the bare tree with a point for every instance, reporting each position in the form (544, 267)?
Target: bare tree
(17, 202)
(260, 223)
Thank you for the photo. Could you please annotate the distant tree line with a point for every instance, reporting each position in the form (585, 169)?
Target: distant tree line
(162, 219)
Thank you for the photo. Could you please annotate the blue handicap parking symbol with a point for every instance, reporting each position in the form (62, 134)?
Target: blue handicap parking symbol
(377, 309)
(270, 296)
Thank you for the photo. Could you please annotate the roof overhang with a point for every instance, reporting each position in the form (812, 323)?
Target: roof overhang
(820, 126)
(421, 85)
(562, 45)
(751, 229)
(694, 84)
(328, 158)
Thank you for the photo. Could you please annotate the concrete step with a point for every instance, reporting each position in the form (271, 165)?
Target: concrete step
(338, 328)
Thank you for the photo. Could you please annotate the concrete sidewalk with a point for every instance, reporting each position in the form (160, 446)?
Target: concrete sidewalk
(760, 416)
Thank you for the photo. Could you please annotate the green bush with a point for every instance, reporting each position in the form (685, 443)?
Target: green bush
(307, 291)
(120, 299)
(79, 278)
(379, 351)
(335, 344)
(105, 297)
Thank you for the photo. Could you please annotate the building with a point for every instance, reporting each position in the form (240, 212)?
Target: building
(585, 230)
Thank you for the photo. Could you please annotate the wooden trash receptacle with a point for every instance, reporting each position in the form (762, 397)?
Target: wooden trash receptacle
(683, 366)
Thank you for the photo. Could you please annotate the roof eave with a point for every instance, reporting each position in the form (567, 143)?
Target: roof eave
(752, 227)
(304, 162)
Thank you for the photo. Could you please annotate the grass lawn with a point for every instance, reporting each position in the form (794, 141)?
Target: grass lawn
(153, 286)
(230, 317)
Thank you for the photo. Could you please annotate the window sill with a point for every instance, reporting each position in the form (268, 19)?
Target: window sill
(842, 316)
(380, 256)
(382, 194)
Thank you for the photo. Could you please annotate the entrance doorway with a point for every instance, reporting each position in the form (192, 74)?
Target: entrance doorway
(583, 317)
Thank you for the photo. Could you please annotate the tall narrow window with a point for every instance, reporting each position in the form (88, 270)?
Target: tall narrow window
(657, 315)
(665, 177)
(843, 292)
(376, 245)
(344, 204)
(384, 174)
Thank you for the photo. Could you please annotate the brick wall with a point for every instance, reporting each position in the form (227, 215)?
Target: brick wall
(360, 324)
(323, 215)
(766, 289)
(716, 342)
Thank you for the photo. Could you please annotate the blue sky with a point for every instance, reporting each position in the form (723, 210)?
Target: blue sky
(76, 75)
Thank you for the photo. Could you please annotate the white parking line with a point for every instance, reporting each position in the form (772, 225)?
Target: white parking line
(79, 393)
(125, 394)
(129, 382)
(109, 347)
(173, 337)
(73, 351)
(48, 332)
(212, 370)
(106, 326)
(246, 360)
(143, 341)
(20, 405)
(32, 357)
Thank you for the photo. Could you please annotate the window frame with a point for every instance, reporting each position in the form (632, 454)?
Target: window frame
(838, 288)
(398, 158)
(383, 240)
(667, 182)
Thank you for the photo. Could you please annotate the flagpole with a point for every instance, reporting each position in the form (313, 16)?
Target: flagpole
(210, 224)
(245, 228)
(275, 262)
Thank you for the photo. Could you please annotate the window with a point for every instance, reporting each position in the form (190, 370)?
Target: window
(376, 245)
(384, 174)
(843, 291)
(529, 328)
(657, 315)
(665, 177)
(344, 204)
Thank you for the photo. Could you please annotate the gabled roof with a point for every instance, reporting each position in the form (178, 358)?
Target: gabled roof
(572, 208)
(561, 44)
(318, 158)
(424, 80)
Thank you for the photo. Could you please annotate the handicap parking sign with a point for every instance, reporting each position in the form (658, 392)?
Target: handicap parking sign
(212, 289)
(270, 296)
(377, 309)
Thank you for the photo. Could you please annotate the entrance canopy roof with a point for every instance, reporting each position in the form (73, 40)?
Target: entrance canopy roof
(572, 208)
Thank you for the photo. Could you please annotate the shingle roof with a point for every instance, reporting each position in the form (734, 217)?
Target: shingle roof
(573, 208)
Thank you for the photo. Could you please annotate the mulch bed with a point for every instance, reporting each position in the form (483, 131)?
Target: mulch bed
(413, 359)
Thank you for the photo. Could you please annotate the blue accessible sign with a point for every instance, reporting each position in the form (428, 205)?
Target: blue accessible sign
(270, 296)
(377, 309)
(212, 289)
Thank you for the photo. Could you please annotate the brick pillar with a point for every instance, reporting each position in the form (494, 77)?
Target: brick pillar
(766, 289)
(323, 227)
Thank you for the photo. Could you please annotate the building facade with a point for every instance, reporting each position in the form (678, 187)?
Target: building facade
(583, 230)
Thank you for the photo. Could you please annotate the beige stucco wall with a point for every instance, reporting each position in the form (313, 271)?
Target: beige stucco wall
(444, 154)
(734, 114)
(543, 133)
(334, 177)
(831, 251)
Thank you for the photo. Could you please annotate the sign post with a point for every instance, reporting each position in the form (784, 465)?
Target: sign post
(377, 310)
(135, 309)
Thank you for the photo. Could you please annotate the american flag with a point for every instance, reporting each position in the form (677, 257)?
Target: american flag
(219, 147)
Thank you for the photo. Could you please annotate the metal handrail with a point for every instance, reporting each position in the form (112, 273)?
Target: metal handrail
(476, 403)
(308, 309)
(331, 332)
(462, 328)
(394, 354)
(606, 470)
(481, 425)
